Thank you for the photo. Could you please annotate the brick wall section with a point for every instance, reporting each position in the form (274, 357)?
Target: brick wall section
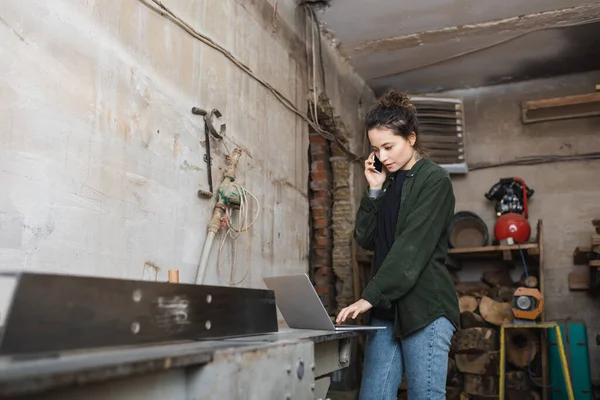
(332, 216)
(321, 221)
(343, 227)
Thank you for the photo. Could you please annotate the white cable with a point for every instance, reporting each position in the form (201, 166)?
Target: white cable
(234, 231)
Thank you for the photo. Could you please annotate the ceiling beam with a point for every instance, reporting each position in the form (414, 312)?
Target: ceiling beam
(535, 21)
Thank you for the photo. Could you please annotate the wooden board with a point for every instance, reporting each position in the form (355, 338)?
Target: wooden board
(479, 364)
(531, 249)
(562, 101)
(579, 280)
(52, 313)
(494, 312)
(475, 340)
(576, 106)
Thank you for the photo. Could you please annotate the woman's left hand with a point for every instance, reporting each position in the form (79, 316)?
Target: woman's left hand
(353, 310)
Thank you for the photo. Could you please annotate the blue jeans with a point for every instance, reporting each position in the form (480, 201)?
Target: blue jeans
(422, 356)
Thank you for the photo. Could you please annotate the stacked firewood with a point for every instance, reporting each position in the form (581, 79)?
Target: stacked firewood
(474, 364)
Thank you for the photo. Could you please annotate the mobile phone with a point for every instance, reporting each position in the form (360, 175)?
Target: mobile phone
(377, 164)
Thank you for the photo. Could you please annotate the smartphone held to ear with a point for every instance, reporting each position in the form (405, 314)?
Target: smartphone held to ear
(377, 164)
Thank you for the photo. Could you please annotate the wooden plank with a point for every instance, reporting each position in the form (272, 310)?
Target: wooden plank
(562, 101)
(579, 280)
(595, 263)
(487, 250)
(52, 313)
(595, 239)
(579, 106)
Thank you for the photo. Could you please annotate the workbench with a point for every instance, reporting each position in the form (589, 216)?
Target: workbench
(289, 364)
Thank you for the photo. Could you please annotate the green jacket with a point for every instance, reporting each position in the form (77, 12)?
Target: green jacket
(413, 278)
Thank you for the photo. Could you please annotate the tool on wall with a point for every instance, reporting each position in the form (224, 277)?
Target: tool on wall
(214, 124)
(511, 196)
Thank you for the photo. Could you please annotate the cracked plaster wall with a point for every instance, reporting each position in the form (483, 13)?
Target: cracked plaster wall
(101, 158)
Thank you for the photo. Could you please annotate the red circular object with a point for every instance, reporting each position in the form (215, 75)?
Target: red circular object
(513, 226)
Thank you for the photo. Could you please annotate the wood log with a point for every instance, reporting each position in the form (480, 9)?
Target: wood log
(502, 294)
(497, 277)
(453, 393)
(467, 303)
(579, 280)
(472, 320)
(528, 281)
(472, 288)
(475, 340)
(453, 377)
(481, 385)
(479, 364)
(494, 312)
(512, 394)
(517, 380)
(522, 345)
(531, 282)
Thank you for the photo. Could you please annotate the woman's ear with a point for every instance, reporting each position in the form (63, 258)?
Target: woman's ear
(412, 139)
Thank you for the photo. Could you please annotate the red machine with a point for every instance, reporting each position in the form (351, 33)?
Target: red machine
(511, 196)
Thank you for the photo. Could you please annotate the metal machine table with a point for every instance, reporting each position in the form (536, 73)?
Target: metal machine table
(289, 364)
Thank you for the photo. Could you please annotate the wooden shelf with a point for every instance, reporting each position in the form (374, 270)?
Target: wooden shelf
(511, 254)
(501, 252)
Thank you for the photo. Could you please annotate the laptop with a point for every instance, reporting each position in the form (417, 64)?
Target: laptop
(301, 307)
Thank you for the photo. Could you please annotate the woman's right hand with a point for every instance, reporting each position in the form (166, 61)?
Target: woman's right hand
(374, 178)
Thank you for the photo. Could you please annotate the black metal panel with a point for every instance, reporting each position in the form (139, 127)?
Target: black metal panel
(51, 313)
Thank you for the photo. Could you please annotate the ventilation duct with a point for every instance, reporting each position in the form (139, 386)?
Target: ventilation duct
(441, 130)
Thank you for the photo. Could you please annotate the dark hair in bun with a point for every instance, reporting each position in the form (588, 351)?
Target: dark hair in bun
(395, 112)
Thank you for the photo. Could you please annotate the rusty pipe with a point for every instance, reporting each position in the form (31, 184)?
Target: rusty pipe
(233, 161)
(225, 195)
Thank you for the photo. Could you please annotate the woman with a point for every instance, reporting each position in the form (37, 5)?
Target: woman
(403, 218)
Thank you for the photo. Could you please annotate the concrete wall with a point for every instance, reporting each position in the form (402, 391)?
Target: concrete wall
(101, 158)
(567, 195)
